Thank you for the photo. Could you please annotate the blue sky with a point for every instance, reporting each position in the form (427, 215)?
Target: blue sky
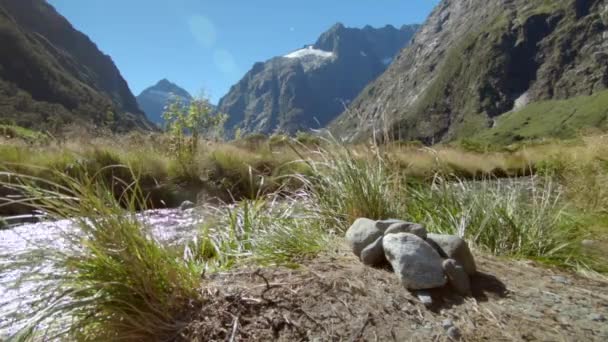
(208, 45)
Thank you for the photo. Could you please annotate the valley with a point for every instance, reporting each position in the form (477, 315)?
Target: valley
(313, 200)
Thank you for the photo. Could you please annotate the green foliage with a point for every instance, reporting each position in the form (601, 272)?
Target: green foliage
(556, 118)
(27, 135)
(187, 123)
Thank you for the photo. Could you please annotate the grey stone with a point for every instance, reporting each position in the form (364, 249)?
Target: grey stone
(560, 279)
(454, 333)
(447, 324)
(407, 227)
(186, 205)
(424, 297)
(362, 233)
(373, 254)
(588, 243)
(597, 317)
(453, 247)
(383, 225)
(415, 262)
(457, 277)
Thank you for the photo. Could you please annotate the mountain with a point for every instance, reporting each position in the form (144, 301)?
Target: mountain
(51, 74)
(473, 61)
(153, 100)
(309, 87)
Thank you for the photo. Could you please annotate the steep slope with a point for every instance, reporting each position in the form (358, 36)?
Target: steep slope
(52, 74)
(475, 60)
(154, 99)
(309, 87)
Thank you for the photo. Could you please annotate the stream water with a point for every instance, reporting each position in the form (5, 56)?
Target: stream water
(17, 296)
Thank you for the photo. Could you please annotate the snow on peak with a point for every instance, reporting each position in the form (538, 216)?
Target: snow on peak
(309, 51)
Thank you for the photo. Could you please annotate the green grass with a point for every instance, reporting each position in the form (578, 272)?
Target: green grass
(550, 119)
(17, 132)
(517, 219)
(113, 281)
(117, 283)
(347, 186)
(265, 231)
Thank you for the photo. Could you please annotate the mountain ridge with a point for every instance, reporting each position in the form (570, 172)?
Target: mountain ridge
(52, 74)
(474, 60)
(309, 87)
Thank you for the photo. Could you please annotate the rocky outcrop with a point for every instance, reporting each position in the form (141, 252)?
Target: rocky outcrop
(51, 74)
(154, 99)
(475, 60)
(309, 87)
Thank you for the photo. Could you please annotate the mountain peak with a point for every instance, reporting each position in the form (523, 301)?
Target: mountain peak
(164, 82)
(308, 87)
(154, 99)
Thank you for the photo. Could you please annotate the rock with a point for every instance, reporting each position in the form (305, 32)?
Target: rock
(560, 280)
(453, 247)
(597, 317)
(415, 262)
(588, 243)
(447, 324)
(373, 254)
(186, 205)
(425, 298)
(457, 277)
(362, 233)
(454, 333)
(383, 225)
(407, 227)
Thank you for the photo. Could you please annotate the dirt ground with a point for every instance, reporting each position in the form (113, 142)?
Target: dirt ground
(338, 299)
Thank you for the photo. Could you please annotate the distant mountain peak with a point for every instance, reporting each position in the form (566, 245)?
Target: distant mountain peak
(154, 99)
(308, 87)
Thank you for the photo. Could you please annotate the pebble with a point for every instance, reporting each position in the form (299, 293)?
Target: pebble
(186, 205)
(454, 333)
(560, 279)
(447, 324)
(588, 243)
(425, 297)
(597, 318)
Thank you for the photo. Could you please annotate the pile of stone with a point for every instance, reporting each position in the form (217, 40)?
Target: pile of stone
(421, 260)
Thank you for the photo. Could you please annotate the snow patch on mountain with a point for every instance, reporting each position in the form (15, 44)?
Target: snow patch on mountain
(309, 51)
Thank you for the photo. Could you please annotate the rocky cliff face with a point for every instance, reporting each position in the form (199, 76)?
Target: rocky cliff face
(474, 60)
(153, 100)
(52, 74)
(309, 87)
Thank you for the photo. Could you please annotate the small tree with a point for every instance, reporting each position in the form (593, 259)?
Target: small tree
(188, 122)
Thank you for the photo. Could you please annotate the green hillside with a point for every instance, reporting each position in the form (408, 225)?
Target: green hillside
(553, 119)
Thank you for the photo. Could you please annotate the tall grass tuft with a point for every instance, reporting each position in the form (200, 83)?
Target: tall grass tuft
(347, 186)
(520, 218)
(115, 282)
(268, 230)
